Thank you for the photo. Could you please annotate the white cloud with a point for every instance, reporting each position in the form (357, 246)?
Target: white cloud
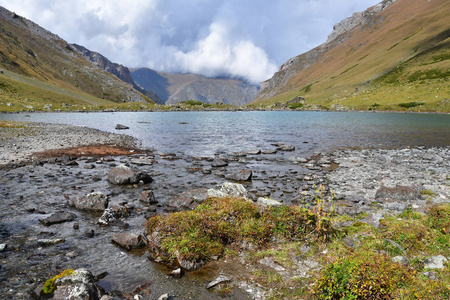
(220, 54)
(245, 38)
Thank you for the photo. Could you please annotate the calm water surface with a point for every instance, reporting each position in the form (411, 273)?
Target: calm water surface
(207, 133)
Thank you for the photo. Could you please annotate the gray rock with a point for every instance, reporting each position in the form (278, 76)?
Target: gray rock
(178, 273)
(129, 240)
(110, 215)
(271, 264)
(217, 281)
(125, 175)
(398, 193)
(436, 262)
(242, 175)
(269, 151)
(3, 247)
(216, 194)
(50, 242)
(121, 127)
(142, 161)
(79, 285)
(286, 148)
(401, 260)
(147, 197)
(96, 201)
(189, 200)
(235, 190)
(254, 152)
(217, 163)
(267, 202)
(59, 217)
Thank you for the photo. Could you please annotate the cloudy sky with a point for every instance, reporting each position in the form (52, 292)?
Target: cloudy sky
(239, 38)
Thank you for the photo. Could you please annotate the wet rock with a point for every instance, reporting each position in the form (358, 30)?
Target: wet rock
(147, 197)
(110, 215)
(50, 242)
(79, 285)
(267, 202)
(125, 175)
(89, 233)
(142, 161)
(286, 148)
(436, 262)
(129, 240)
(242, 175)
(217, 163)
(59, 217)
(188, 200)
(178, 273)
(254, 152)
(398, 193)
(96, 201)
(236, 154)
(217, 281)
(269, 151)
(121, 127)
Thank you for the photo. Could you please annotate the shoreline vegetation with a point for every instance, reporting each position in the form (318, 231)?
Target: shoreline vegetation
(193, 105)
(383, 231)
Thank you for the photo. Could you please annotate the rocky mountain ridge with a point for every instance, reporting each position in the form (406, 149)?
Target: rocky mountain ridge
(340, 33)
(393, 56)
(29, 50)
(176, 87)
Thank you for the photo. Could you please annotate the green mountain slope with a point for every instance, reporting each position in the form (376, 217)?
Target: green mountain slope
(396, 57)
(40, 68)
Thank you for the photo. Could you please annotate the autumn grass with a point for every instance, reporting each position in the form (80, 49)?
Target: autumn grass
(365, 270)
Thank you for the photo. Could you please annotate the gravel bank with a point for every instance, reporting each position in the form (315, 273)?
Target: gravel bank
(19, 142)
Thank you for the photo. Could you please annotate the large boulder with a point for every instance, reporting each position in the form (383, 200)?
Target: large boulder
(80, 285)
(96, 201)
(125, 175)
(188, 200)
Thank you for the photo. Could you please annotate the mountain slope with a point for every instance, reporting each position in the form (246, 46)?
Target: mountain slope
(29, 50)
(394, 53)
(174, 87)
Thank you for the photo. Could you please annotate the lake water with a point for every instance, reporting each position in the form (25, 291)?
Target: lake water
(208, 133)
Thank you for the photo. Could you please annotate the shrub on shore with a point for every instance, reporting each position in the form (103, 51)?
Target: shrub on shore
(219, 223)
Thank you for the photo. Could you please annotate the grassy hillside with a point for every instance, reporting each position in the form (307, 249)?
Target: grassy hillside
(42, 67)
(400, 60)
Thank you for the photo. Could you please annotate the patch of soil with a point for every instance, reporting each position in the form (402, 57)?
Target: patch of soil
(91, 150)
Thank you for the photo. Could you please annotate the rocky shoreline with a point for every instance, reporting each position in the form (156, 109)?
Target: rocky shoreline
(46, 225)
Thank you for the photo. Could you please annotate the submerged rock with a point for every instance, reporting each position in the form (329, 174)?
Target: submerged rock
(125, 175)
(59, 217)
(121, 127)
